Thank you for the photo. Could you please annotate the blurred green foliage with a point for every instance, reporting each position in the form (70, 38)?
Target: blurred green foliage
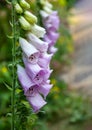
(62, 104)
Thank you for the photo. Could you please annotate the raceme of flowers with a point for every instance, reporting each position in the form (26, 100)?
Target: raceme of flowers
(51, 23)
(34, 76)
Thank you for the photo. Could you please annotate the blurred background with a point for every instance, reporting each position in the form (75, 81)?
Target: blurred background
(69, 102)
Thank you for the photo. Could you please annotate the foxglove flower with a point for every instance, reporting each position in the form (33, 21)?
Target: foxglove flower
(51, 21)
(36, 101)
(38, 31)
(36, 73)
(44, 60)
(39, 44)
(30, 90)
(44, 89)
(34, 78)
(51, 38)
(29, 50)
(24, 79)
(52, 50)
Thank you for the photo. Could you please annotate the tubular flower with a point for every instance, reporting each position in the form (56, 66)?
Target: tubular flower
(44, 60)
(34, 77)
(36, 73)
(30, 89)
(39, 44)
(51, 23)
(38, 31)
(29, 50)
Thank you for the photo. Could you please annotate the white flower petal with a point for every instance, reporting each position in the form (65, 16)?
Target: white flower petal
(29, 50)
(38, 31)
(39, 44)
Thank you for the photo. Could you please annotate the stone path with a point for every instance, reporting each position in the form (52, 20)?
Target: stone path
(80, 74)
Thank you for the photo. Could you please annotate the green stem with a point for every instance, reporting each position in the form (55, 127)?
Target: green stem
(13, 66)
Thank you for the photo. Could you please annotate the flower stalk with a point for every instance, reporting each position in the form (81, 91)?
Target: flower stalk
(13, 66)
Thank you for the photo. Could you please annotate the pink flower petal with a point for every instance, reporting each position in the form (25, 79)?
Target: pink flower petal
(24, 79)
(39, 44)
(36, 102)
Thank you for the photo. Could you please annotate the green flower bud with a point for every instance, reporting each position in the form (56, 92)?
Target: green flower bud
(43, 2)
(24, 23)
(24, 4)
(30, 17)
(18, 8)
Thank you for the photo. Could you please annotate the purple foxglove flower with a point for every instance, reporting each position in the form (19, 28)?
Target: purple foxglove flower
(47, 39)
(36, 101)
(30, 89)
(52, 21)
(51, 38)
(44, 60)
(52, 50)
(47, 74)
(36, 73)
(24, 79)
(38, 31)
(39, 44)
(29, 50)
(44, 89)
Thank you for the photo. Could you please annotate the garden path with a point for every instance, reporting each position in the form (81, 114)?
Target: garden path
(79, 75)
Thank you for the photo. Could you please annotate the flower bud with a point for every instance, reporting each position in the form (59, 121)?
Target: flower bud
(24, 23)
(38, 31)
(24, 4)
(48, 5)
(47, 9)
(18, 9)
(43, 2)
(30, 17)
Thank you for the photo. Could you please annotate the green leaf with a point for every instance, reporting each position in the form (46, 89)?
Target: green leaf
(18, 90)
(9, 114)
(8, 1)
(10, 37)
(8, 86)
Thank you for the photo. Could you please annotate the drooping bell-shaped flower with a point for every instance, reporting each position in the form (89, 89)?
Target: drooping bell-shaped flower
(52, 50)
(44, 89)
(30, 89)
(50, 21)
(24, 79)
(39, 44)
(44, 60)
(52, 36)
(29, 50)
(36, 73)
(36, 101)
(32, 19)
(38, 31)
